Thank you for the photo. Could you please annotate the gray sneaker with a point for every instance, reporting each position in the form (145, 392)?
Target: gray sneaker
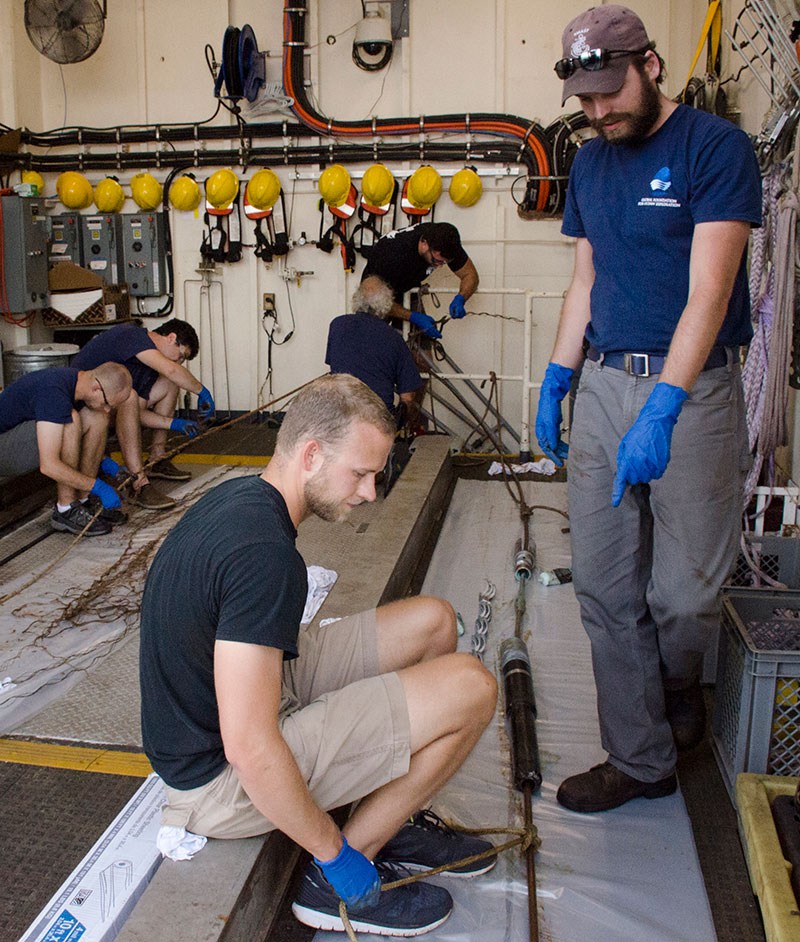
(149, 497)
(76, 518)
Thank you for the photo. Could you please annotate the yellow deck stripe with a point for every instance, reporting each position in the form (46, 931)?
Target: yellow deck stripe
(80, 758)
(257, 461)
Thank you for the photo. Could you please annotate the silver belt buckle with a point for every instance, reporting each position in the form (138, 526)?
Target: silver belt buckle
(632, 359)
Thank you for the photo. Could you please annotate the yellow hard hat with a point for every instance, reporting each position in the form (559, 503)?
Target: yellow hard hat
(334, 185)
(109, 197)
(184, 194)
(424, 187)
(147, 192)
(466, 187)
(377, 185)
(31, 176)
(263, 189)
(221, 188)
(74, 190)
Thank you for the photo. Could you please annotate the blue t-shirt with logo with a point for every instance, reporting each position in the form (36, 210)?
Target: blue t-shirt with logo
(638, 206)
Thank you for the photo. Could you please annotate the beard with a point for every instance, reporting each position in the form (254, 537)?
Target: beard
(320, 502)
(637, 123)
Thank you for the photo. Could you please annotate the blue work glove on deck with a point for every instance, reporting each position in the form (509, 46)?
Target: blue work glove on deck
(185, 427)
(555, 386)
(353, 877)
(109, 466)
(108, 496)
(425, 323)
(643, 454)
(205, 403)
(457, 308)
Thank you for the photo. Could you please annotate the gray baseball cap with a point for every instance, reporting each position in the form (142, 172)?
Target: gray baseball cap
(611, 28)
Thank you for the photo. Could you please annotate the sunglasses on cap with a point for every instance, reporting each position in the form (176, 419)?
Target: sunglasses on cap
(592, 60)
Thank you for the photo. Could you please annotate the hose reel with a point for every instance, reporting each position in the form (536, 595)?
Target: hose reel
(243, 70)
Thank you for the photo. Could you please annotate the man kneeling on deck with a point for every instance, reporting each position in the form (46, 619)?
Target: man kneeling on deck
(44, 425)
(255, 725)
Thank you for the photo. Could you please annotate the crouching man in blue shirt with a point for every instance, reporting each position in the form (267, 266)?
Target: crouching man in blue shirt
(43, 424)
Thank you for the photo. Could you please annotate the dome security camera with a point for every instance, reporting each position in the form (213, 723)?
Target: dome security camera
(372, 44)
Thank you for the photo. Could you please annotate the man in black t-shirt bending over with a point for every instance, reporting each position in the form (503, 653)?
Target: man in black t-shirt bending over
(404, 259)
(255, 725)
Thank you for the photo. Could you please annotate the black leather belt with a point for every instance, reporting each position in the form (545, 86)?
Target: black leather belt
(648, 364)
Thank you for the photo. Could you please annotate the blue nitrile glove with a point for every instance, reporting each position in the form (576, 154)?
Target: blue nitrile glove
(185, 427)
(643, 453)
(457, 308)
(109, 466)
(425, 323)
(205, 403)
(353, 877)
(108, 496)
(555, 386)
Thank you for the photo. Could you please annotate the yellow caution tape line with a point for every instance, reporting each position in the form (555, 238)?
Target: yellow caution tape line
(79, 758)
(257, 461)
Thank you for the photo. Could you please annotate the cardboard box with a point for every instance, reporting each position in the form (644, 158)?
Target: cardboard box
(79, 296)
(96, 899)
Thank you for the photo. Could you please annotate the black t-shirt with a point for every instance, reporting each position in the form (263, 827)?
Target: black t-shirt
(44, 396)
(120, 344)
(229, 570)
(368, 348)
(396, 259)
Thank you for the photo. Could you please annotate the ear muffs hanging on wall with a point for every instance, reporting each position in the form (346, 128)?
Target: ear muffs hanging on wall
(378, 196)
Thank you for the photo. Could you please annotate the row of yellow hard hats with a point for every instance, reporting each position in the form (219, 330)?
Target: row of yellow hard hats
(377, 186)
(262, 191)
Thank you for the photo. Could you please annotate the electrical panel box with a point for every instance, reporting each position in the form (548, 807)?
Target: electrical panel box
(64, 242)
(143, 254)
(100, 246)
(23, 286)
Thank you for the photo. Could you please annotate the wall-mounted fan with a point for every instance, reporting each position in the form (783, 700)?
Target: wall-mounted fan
(65, 30)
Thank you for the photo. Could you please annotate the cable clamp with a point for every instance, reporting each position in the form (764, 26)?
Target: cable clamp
(422, 124)
(291, 42)
(286, 154)
(295, 10)
(196, 160)
(158, 132)
(466, 122)
(196, 133)
(330, 125)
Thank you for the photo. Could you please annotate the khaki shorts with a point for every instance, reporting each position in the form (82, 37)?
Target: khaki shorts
(346, 725)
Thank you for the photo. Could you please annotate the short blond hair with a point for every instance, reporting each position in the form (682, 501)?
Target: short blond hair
(326, 409)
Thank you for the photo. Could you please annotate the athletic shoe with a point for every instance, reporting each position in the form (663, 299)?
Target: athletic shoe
(112, 515)
(605, 787)
(167, 471)
(149, 497)
(425, 841)
(407, 910)
(76, 518)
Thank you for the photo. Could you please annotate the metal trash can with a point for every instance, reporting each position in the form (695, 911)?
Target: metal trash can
(35, 356)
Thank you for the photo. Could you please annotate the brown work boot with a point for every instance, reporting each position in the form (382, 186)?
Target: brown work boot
(605, 786)
(149, 497)
(167, 471)
(685, 709)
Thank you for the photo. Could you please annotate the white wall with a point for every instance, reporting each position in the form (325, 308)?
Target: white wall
(461, 56)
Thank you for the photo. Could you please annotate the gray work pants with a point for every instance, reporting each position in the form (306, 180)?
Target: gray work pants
(647, 574)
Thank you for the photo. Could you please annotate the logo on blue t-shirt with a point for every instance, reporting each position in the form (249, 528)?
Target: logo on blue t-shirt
(662, 180)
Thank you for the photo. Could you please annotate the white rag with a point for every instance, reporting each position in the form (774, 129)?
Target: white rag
(542, 466)
(178, 843)
(319, 585)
